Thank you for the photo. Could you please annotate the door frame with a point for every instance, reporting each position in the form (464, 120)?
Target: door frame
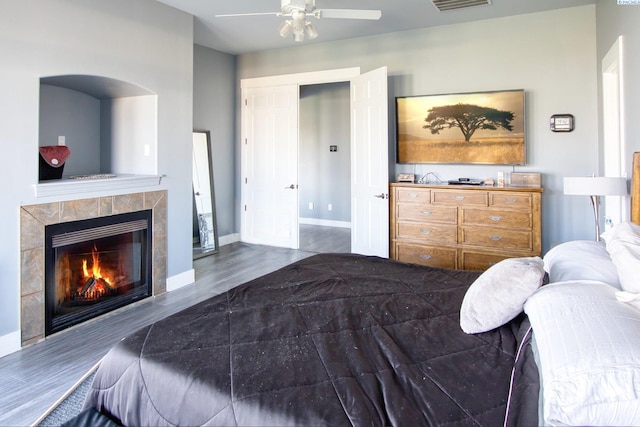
(349, 75)
(301, 79)
(617, 208)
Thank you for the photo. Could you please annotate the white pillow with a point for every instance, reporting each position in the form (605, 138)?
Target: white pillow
(581, 259)
(497, 295)
(624, 230)
(589, 351)
(623, 244)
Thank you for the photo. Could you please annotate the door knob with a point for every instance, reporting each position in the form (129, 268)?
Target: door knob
(291, 187)
(381, 196)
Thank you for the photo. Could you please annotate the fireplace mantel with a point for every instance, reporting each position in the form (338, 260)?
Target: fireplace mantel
(68, 186)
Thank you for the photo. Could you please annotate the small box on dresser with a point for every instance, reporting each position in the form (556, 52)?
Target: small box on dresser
(464, 227)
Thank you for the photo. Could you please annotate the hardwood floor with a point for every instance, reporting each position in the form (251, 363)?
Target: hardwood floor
(34, 378)
(316, 238)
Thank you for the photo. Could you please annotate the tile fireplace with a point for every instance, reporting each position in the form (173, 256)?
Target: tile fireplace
(34, 221)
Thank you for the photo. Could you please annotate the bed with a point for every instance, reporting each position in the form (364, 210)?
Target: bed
(346, 339)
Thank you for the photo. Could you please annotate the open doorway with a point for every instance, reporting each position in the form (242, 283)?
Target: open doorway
(324, 171)
(615, 162)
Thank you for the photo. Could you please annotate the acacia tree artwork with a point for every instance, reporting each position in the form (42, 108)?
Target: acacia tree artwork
(485, 128)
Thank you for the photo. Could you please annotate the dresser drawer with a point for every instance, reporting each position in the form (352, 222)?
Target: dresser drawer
(480, 260)
(510, 200)
(434, 233)
(497, 238)
(423, 213)
(467, 198)
(426, 255)
(500, 219)
(413, 195)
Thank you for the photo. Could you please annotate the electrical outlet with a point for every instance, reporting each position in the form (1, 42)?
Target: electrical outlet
(62, 140)
(311, 206)
(330, 207)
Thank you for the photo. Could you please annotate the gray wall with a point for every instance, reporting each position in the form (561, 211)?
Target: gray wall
(214, 100)
(552, 55)
(142, 42)
(324, 176)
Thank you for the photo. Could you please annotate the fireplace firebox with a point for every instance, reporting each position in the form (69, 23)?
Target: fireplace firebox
(94, 266)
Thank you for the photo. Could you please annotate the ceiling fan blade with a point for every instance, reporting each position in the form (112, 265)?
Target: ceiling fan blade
(249, 14)
(349, 14)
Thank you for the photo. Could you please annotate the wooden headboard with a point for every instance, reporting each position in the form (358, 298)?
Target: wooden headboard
(635, 189)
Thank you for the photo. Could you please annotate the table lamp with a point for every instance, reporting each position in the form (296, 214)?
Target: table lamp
(595, 186)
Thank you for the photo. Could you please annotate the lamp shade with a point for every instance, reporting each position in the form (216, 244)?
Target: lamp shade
(595, 186)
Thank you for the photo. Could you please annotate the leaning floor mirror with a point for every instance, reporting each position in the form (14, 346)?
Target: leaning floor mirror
(205, 233)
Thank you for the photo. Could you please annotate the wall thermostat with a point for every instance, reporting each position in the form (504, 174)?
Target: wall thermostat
(561, 122)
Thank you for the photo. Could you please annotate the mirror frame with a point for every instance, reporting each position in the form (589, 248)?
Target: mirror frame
(197, 251)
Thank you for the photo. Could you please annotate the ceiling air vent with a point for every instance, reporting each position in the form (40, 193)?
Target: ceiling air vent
(445, 5)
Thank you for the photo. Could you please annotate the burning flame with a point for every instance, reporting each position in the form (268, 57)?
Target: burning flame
(95, 268)
(96, 285)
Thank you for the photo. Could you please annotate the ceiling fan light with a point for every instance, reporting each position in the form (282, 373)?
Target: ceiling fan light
(310, 30)
(298, 26)
(285, 28)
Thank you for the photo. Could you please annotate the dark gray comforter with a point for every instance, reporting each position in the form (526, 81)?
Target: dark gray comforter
(329, 340)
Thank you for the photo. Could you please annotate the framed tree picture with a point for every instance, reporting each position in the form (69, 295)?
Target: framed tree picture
(482, 127)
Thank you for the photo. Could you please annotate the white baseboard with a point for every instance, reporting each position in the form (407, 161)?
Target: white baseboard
(9, 343)
(325, 222)
(180, 280)
(228, 239)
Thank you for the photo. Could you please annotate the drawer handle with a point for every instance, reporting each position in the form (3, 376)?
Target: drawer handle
(426, 231)
(495, 238)
(426, 256)
(459, 198)
(495, 217)
(426, 213)
(413, 195)
(510, 200)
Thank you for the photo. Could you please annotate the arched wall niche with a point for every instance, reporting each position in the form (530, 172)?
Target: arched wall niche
(109, 125)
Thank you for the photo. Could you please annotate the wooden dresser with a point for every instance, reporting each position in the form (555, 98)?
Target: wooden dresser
(463, 227)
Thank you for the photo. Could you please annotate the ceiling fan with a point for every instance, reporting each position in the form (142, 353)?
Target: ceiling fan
(299, 10)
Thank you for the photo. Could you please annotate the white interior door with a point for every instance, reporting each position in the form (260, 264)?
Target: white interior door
(269, 170)
(370, 164)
